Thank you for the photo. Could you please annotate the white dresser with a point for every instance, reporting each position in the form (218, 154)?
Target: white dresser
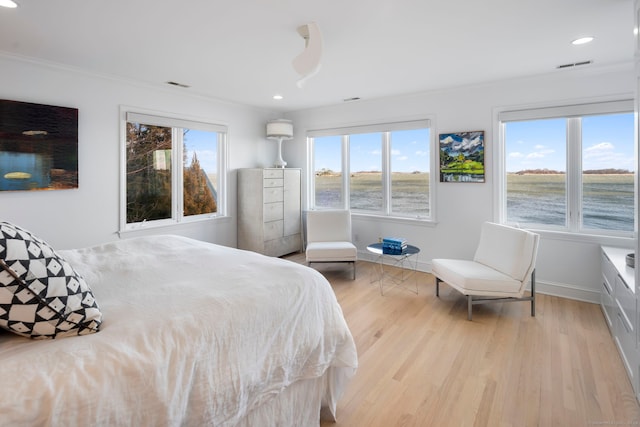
(619, 305)
(269, 211)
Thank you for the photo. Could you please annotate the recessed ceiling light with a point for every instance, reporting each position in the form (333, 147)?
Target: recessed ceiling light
(582, 40)
(8, 3)
(278, 97)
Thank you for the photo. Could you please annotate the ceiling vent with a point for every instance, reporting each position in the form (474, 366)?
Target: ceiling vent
(573, 65)
(178, 84)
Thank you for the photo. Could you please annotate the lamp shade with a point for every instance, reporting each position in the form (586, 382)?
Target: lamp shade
(280, 129)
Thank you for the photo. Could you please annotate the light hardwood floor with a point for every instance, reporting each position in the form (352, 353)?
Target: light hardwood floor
(422, 363)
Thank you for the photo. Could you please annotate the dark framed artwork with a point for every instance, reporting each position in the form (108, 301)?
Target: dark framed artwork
(38, 146)
(462, 156)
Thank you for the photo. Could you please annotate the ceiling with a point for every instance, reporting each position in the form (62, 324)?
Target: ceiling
(241, 51)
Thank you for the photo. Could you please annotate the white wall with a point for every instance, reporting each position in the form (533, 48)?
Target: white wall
(90, 214)
(565, 267)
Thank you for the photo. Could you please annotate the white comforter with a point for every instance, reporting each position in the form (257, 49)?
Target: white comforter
(193, 334)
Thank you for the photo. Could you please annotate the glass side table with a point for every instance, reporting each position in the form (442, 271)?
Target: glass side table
(406, 262)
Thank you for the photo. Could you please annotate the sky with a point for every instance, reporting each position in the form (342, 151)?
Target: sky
(204, 143)
(607, 142)
(409, 151)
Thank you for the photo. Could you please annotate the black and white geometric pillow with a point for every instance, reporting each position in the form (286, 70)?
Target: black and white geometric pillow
(41, 295)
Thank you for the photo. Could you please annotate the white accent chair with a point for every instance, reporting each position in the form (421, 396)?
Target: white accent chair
(329, 238)
(503, 265)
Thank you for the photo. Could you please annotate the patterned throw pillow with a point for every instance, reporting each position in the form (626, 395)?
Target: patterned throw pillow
(41, 295)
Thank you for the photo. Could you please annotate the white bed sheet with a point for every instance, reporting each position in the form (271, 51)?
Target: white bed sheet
(193, 334)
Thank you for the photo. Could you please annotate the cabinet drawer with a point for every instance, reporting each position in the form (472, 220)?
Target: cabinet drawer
(273, 173)
(609, 272)
(283, 245)
(273, 230)
(626, 299)
(625, 339)
(608, 305)
(273, 182)
(273, 211)
(273, 194)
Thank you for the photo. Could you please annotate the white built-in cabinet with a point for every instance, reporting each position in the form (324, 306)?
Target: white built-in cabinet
(620, 308)
(269, 210)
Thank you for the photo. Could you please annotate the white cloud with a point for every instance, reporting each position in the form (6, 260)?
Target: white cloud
(422, 153)
(597, 148)
(395, 152)
(604, 155)
(516, 155)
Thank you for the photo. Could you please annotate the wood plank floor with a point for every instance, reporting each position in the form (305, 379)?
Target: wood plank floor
(421, 363)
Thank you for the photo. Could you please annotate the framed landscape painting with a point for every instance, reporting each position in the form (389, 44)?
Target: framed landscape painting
(38, 146)
(462, 156)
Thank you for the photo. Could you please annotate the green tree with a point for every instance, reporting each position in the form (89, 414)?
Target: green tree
(148, 182)
(198, 198)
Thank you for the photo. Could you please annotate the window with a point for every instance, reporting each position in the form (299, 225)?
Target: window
(570, 168)
(365, 166)
(378, 169)
(328, 171)
(174, 170)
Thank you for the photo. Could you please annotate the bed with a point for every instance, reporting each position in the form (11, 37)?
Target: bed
(191, 334)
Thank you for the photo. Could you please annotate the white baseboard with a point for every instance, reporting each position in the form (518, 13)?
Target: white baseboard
(542, 287)
(567, 291)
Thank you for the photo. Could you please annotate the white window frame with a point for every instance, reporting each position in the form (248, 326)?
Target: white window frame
(385, 129)
(573, 113)
(177, 123)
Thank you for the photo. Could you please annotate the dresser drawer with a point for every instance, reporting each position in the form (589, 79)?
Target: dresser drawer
(283, 245)
(608, 305)
(273, 182)
(273, 173)
(273, 194)
(273, 230)
(626, 299)
(625, 339)
(273, 211)
(609, 272)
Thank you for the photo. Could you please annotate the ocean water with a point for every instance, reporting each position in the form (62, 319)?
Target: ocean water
(608, 200)
(597, 214)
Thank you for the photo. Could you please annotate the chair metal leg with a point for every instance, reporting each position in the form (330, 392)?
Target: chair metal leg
(533, 293)
(354, 270)
(469, 306)
(437, 287)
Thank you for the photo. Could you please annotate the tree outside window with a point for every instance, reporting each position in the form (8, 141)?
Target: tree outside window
(154, 187)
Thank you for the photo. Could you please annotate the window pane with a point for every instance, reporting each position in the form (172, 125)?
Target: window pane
(366, 171)
(327, 160)
(410, 172)
(607, 172)
(200, 161)
(536, 172)
(148, 172)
